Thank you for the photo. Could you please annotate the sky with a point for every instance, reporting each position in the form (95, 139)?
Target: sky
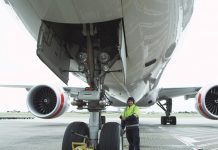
(194, 62)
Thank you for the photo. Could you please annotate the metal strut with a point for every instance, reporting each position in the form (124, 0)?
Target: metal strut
(90, 54)
(94, 128)
(168, 106)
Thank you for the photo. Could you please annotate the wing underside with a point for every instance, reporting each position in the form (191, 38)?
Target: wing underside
(187, 92)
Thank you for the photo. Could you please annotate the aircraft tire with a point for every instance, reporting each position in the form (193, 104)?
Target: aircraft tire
(110, 138)
(102, 122)
(163, 120)
(69, 137)
(173, 120)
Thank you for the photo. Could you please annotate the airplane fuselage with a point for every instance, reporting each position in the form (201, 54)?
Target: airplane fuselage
(148, 32)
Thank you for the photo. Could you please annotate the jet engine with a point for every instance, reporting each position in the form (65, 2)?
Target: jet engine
(47, 101)
(207, 102)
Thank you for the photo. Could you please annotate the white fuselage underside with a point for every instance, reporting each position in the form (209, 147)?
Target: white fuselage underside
(151, 30)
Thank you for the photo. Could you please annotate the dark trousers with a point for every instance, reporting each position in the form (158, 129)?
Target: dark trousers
(132, 134)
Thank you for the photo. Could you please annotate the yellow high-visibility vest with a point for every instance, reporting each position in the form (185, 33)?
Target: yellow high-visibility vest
(132, 110)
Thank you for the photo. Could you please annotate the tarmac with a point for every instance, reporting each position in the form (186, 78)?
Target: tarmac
(190, 133)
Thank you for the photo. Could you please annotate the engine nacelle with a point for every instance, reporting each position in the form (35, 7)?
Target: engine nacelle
(207, 102)
(47, 101)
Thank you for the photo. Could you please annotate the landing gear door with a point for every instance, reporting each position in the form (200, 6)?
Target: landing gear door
(122, 50)
(53, 52)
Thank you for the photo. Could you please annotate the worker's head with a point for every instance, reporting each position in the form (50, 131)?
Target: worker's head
(130, 101)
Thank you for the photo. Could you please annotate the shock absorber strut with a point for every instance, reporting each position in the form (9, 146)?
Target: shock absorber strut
(90, 54)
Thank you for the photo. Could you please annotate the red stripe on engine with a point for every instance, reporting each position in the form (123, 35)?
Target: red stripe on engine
(61, 105)
(199, 102)
(200, 106)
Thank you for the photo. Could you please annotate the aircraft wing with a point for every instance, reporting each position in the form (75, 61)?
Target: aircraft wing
(27, 87)
(72, 91)
(160, 94)
(187, 92)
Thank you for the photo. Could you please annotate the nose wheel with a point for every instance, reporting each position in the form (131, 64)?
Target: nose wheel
(72, 134)
(79, 135)
(110, 138)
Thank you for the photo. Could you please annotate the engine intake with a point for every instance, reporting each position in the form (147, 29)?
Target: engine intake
(45, 101)
(207, 102)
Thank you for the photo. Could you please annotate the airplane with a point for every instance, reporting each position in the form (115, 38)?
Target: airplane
(120, 48)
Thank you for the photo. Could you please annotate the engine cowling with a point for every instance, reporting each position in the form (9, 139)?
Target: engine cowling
(47, 101)
(207, 102)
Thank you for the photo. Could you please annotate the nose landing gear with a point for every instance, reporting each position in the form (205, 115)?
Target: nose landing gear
(96, 135)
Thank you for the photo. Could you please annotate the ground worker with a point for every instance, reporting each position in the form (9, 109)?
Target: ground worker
(130, 120)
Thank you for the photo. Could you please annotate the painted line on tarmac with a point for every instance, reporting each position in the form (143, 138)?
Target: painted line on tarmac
(209, 144)
(209, 139)
(187, 141)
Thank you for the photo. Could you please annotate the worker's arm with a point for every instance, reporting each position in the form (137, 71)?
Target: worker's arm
(123, 124)
(136, 112)
(131, 118)
(134, 116)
